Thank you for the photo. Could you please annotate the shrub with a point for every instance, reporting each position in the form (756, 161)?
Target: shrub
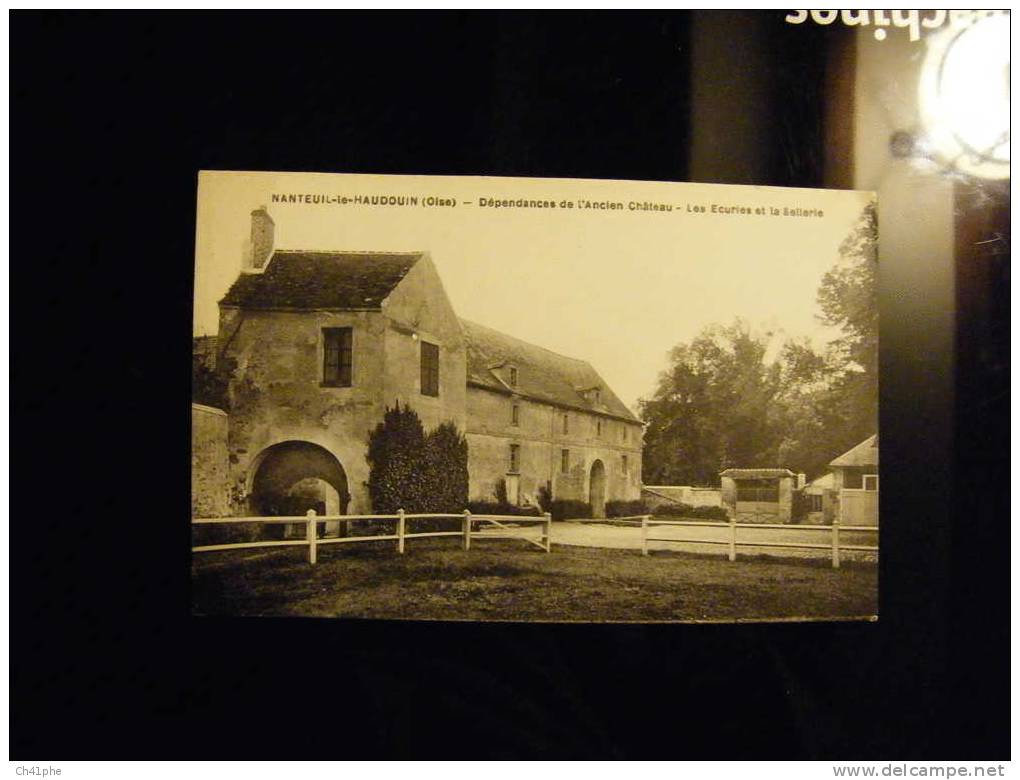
(690, 511)
(501, 494)
(446, 471)
(497, 508)
(545, 497)
(396, 458)
(566, 509)
(626, 508)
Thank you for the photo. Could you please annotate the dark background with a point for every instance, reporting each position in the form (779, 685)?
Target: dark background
(112, 117)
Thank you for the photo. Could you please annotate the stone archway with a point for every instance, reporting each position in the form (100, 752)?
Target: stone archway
(294, 476)
(597, 489)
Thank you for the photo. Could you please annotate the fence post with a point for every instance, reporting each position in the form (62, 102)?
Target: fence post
(467, 529)
(733, 537)
(312, 527)
(548, 532)
(835, 542)
(644, 534)
(400, 530)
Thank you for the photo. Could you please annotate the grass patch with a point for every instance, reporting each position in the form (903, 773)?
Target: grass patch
(500, 580)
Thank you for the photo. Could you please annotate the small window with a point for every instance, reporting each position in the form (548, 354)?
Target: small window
(598, 427)
(597, 395)
(337, 356)
(515, 414)
(429, 369)
(565, 461)
(815, 503)
(515, 458)
(871, 481)
(513, 377)
(625, 465)
(566, 423)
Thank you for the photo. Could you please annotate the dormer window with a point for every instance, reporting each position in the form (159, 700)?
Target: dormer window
(512, 373)
(596, 396)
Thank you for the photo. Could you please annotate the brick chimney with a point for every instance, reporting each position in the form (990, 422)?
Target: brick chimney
(263, 231)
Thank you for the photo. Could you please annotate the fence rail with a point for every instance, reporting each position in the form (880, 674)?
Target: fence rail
(732, 543)
(486, 525)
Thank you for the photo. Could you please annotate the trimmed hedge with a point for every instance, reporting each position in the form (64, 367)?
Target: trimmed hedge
(691, 511)
(497, 508)
(626, 508)
(566, 509)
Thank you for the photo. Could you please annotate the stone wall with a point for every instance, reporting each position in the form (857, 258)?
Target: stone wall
(210, 473)
(658, 495)
(277, 393)
(418, 311)
(539, 434)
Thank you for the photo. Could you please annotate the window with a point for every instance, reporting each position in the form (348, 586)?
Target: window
(337, 356)
(513, 376)
(565, 461)
(566, 423)
(429, 369)
(623, 433)
(597, 395)
(871, 481)
(598, 427)
(625, 465)
(814, 503)
(515, 458)
(515, 414)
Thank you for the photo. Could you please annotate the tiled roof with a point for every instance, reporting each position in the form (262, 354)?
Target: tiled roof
(321, 280)
(756, 473)
(864, 454)
(541, 374)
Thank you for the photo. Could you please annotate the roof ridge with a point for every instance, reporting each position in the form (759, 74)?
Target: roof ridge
(528, 343)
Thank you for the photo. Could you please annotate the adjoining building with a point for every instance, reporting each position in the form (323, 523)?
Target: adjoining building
(321, 342)
(849, 490)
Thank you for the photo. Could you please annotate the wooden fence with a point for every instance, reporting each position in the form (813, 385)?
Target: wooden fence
(488, 528)
(731, 541)
(833, 544)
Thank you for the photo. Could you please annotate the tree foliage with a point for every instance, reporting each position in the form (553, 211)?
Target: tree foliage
(446, 469)
(732, 398)
(415, 471)
(396, 458)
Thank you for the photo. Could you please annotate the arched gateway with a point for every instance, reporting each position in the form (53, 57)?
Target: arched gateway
(294, 476)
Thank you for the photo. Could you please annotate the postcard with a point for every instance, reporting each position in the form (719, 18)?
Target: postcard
(560, 400)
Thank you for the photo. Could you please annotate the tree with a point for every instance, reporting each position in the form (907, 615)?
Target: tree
(446, 469)
(415, 471)
(712, 408)
(396, 458)
(722, 403)
(848, 298)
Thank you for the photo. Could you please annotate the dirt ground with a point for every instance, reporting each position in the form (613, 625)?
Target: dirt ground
(512, 580)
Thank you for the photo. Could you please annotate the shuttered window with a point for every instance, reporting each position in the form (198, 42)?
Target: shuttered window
(429, 369)
(337, 357)
(515, 458)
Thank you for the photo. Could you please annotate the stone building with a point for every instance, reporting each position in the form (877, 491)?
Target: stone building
(320, 343)
(760, 495)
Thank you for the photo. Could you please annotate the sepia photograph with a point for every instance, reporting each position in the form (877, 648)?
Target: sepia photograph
(477, 398)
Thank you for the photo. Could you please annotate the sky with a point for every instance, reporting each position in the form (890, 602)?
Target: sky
(618, 288)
